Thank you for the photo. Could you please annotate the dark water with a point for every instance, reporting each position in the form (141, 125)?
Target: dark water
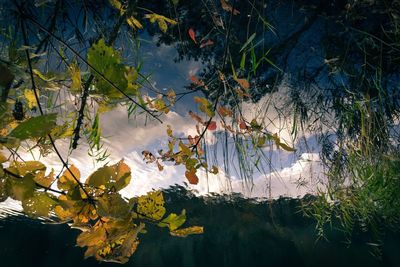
(238, 232)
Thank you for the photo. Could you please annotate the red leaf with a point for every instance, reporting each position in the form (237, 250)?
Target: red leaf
(242, 125)
(192, 177)
(212, 126)
(225, 6)
(192, 35)
(208, 42)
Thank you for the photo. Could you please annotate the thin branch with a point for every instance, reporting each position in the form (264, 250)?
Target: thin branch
(91, 66)
(35, 90)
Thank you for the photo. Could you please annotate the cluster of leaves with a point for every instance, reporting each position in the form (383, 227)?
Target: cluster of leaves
(110, 224)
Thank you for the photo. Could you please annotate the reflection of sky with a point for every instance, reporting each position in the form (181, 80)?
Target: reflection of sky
(126, 138)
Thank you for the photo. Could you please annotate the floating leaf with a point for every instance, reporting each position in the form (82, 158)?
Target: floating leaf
(192, 35)
(151, 205)
(67, 180)
(224, 112)
(42, 76)
(173, 221)
(44, 180)
(188, 231)
(115, 177)
(40, 204)
(113, 206)
(35, 127)
(214, 169)
(21, 188)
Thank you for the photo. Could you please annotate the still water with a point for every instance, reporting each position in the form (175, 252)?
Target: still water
(238, 232)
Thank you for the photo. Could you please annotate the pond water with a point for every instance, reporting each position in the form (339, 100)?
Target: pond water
(315, 84)
(238, 232)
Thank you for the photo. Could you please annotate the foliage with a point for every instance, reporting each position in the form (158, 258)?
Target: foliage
(110, 224)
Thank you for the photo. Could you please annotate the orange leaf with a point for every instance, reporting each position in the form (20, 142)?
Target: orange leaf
(192, 177)
(212, 126)
(243, 83)
(225, 6)
(192, 35)
(223, 111)
(196, 117)
(196, 81)
(208, 42)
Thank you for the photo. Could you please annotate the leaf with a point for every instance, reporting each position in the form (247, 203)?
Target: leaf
(212, 126)
(67, 180)
(286, 147)
(114, 177)
(196, 81)
(173, 221)
(75, 73)
(95, 236)
(41, 75)
(134, 23)
(243, 83)
(113, 206)
(191, 176)
(35, 127)
(30, 98)
(44, 180)
(196, 117)
(206, 43)
(151, 205)
(23, 168)
(251, 38)
(192, 35)
(242, 125)
(188, 231)
(225, 6)
(21, 188)
(40, 204)
(205, 106)
(224, 112)
(3, 158)
(105, 60)
(169, 131)
(161, 20)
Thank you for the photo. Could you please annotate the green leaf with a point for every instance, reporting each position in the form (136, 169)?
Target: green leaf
(106, 61)
(115, 177)
(173, 221)
(39, 204)
(35, 127)
(251, 38)
(20, 188)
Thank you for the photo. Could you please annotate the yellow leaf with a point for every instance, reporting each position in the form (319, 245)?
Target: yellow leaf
(2, 158)
(115, 177)
(75, 77)
(134, 23)
(41, 76)
(161, 21)
(67, 180)
(188, 231)
(151, 205)
(30, 98)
